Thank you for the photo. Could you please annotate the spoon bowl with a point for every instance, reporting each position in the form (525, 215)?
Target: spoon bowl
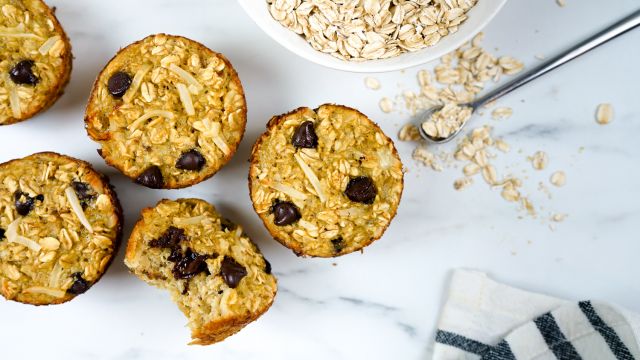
(441, 140)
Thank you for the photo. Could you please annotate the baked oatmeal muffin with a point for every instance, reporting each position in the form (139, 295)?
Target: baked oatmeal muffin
(167, 111)
(325, 182)
(215, 274)
(60, 227)
(35, 59)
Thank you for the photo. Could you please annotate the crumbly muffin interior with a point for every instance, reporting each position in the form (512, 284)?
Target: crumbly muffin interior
(339, 147)
(59, 226)
(29, 33)
(172, 96)
(227, 278)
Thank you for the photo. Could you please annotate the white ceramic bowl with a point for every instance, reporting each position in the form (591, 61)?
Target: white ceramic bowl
(479, 17)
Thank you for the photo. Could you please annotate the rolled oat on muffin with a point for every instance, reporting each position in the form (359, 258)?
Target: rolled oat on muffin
(167, 111)
(35, 59)
(60, 227)
(213, 271)
(325, 182)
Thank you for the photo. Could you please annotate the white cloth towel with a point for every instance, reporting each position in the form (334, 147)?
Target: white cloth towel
(483, 319)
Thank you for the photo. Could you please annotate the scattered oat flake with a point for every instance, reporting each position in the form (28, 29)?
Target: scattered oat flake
(386, 105)
(502, 146)
(502, 113)
(528, 206)
(372, 83)
(489, 174)
(510, 192)
(540, 57)
(427, 158)
(424, 78)
(604, 114)
(561, 3)
(409, 132)
(558, 178)
(558, 217)
(471, 169)
(539, 160)
(510, 65)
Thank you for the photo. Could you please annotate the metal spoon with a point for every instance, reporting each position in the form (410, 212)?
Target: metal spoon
(600, 38)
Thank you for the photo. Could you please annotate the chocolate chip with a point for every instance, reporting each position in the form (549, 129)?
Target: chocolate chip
(338, 244)
(267, 266)
(305, 136)
(79, 286)
(285, 213)
(22, 73)
(23, 202)
(190, 265)
(185, 266)
(84, 192)
(39, 197)
(232, 272)
(169, 239)
(176, 255)
(226, 224)
(119, 83)
(361, 189)
(151, 178)
(1, 234)
(191, 160)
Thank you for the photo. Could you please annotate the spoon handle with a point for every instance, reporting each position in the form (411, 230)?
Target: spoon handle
(592, 42)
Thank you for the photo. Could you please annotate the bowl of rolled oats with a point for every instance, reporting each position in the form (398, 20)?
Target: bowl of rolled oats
(371, 35)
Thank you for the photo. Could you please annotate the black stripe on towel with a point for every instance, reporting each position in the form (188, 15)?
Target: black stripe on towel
(461, 342)
(502, 351)
(555, 339)
(618, 348)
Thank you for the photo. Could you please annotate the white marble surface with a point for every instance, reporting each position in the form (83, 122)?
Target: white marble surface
(382, 304)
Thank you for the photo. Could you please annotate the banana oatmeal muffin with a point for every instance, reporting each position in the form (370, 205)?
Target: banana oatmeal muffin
(60, 227)
(35, 59)
(325, 182)
(167, 112)
(214, 272)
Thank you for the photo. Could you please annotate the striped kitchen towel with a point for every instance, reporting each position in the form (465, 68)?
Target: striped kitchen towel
(486, 320)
